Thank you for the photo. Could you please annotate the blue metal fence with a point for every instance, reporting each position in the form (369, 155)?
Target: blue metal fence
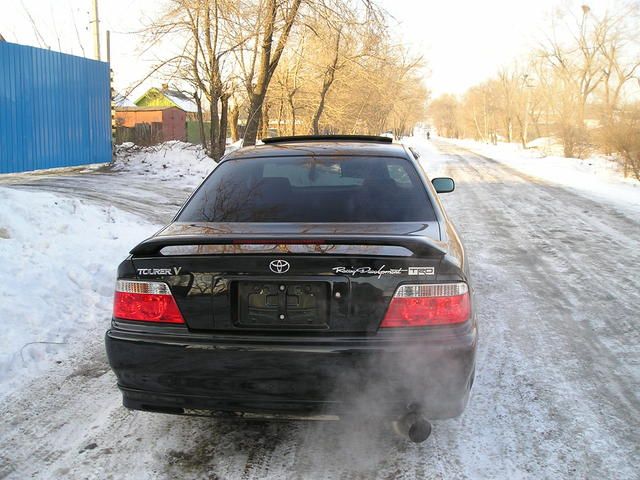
(55, 109)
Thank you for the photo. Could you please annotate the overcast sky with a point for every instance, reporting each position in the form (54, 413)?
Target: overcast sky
(464, 42)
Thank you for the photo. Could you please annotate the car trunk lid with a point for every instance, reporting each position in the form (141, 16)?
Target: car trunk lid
(266, 278)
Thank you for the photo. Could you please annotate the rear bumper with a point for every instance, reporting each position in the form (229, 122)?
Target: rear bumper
(185, 373)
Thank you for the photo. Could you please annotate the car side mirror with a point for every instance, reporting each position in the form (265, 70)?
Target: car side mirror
(443, 184)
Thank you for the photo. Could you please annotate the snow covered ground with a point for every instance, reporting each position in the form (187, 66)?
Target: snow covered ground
(63, 251)
(176, 162)
(598, 177)
(181, 164)
(556, 282)
(58, 258)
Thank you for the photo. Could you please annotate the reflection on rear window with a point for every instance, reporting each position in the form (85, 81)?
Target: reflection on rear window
(311, 189)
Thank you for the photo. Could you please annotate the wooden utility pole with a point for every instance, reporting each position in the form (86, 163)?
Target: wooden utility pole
(96, 31)
(109, 47)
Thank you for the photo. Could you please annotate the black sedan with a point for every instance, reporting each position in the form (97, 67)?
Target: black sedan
(301, 275)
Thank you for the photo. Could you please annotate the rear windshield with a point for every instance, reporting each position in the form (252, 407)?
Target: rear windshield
(311, 189)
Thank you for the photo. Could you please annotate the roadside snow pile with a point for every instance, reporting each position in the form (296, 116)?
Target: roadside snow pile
(175, 161)
(172, 161)
(60, 257)
(598, 177)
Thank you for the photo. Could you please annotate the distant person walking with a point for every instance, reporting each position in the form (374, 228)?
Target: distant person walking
(428, 135)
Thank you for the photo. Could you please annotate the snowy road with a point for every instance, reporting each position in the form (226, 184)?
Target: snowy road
(557, 280)
(154, 200)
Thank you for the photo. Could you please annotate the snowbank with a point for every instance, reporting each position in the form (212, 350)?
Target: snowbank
(597, 177)
(60, 257)
(185, 164)
(182, 163)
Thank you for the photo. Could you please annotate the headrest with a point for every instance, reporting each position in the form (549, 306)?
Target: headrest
(274, 184)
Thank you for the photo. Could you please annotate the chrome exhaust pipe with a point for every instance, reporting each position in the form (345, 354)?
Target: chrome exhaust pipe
(413, 426)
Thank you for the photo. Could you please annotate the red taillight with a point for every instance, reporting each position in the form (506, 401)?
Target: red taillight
(145, 302)
(425, 305)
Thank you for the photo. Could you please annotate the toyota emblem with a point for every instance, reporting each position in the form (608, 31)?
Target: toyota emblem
(279, 266)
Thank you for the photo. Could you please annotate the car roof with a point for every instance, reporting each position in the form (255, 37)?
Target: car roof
(320, 147)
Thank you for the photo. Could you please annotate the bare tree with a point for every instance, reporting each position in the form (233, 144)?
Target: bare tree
(578, 67)
(445, 112)
(581, 86)
(328, 77)
(201, 29)
(263, 52)
(341, 73)
(290, 83)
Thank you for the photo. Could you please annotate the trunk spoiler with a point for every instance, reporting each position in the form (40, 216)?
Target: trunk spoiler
(418, 245)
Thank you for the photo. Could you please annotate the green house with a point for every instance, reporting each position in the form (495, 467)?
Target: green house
(164, 97)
